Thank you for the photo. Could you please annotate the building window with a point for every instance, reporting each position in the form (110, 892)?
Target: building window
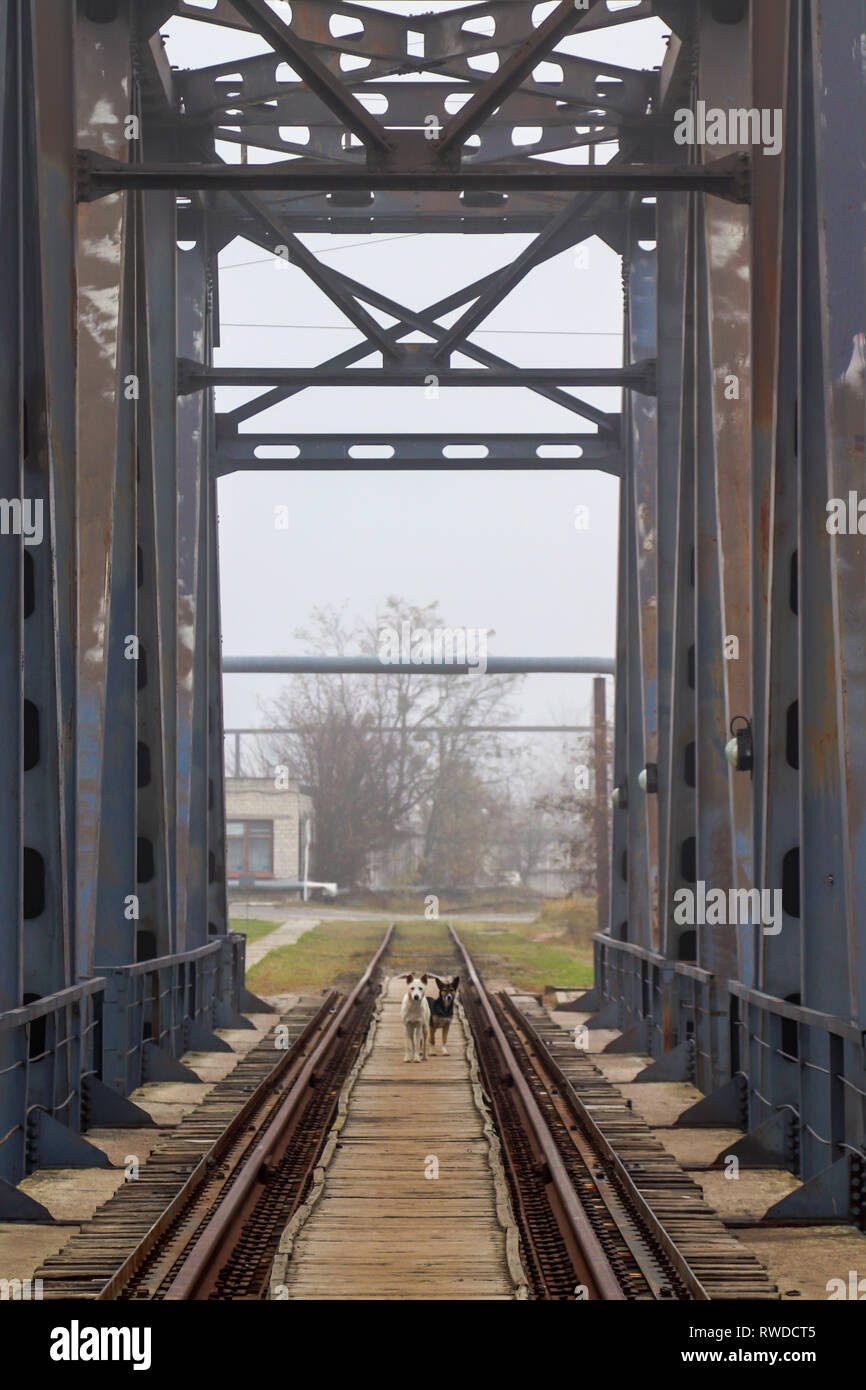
(250, 848)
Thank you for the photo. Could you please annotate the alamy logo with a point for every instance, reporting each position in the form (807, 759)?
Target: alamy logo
(20, 1290)
(854, 1290)
(443, 646)
(735, 125)
(22, 517)
(77, 1343)
(702, 907)
(846, 517)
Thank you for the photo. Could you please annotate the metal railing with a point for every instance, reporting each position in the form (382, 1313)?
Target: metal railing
(630, 979)
(692, 1018)
(107, 1028)
(808, 1066)
(48, 1048)
(153, 1003)
(809, 1063)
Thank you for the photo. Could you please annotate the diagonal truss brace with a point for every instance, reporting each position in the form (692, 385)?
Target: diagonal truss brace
(335, 94)
(423, 321)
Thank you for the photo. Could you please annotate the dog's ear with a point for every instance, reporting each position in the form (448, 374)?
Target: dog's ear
(409, 978)
(455, 982)
(439, 982)
(423, 979)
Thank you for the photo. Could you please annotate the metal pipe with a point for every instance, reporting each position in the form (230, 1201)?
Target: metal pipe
(372, 666)
(442, 729)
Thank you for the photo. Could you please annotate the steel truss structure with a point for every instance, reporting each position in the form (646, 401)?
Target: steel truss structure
(743, 414)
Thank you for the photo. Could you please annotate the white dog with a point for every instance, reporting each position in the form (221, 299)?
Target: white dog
(415, 1013)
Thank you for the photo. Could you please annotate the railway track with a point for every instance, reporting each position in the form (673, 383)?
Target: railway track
(204, 1218)
(604, 1211)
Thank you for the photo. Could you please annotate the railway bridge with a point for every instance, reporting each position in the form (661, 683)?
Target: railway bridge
(731, 957)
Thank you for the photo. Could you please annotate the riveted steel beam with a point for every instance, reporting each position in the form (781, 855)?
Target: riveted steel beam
(99, 176)
(194, 376)
(103, 72)
(284, 40)
(561, 21)
(275, 452)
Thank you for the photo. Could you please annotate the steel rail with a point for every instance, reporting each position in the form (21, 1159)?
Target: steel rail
(212, 1157)
(256, 1166)
(603, 1276)
(606, 1151)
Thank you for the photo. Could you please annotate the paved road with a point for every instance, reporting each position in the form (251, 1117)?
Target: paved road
(275, 912)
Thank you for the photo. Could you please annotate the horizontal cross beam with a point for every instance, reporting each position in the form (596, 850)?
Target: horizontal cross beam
(195, 376)
(726, 178)
(375, 452)
(447, 212)
(372, 666)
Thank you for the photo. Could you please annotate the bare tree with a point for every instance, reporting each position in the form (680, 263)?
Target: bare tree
(388, 752)
(576, 813)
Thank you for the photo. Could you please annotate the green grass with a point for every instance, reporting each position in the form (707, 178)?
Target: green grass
(479, 900)
(529, 955)
(252, 927)
(332, 953)
(577, 917)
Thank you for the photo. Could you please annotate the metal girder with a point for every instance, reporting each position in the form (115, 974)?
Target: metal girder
(641, 436)
(830, 451)
(425, 322)
(285, 41)
(89, 690)
(511, 275)
(429, 213)
(397, 213)
(12, 290)
(102, 63)
(673, 560)
(322, 276)
(722, 502)
(761, 400)
(775, 622)
(413, 368)
(194, 428)
(451, 48)
(676, 498)
(283, 452)
(157, 578)
(561, 21)
(100, 176)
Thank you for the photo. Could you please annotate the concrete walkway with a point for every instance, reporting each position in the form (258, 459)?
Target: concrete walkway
(286, 935)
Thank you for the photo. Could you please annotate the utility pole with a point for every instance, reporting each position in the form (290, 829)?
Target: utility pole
(602, 848)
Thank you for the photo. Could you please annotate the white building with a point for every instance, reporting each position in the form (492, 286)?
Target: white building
(266, 830)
